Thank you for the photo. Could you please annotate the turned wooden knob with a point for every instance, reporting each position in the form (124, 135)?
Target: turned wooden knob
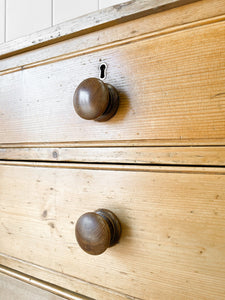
(96, 231)
(95, 100)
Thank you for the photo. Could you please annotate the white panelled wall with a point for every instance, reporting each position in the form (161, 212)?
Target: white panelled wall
(22, 17)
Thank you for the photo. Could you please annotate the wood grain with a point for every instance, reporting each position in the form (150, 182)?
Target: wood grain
(172, 243)
(23, 270)
(192, 15)
(163, 95)
(96, 231)
(94, 21)
(12, 289)
(118, 167)
(95, 100)
(208, 156)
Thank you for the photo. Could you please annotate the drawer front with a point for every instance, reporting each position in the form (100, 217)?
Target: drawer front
(171, 88)
(173, 227)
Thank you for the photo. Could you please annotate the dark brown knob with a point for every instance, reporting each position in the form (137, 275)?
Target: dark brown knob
(96, 231)
(95, 100)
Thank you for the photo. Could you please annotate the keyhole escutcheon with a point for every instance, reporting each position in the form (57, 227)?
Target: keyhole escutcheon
(102, 69)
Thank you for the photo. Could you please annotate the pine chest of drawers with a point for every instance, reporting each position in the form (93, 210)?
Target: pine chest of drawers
(157, 164)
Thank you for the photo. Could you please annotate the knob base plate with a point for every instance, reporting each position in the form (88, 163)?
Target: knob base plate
(113, 223)
(112, 106)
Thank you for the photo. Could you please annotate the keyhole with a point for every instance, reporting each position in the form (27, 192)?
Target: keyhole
(103, 68)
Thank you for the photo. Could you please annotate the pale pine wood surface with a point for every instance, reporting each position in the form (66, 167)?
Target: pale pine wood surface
(160, 23)
(173, 226)
(169, 69)
(173, 89)
(62, 280)
(94, 21)
(208, 156)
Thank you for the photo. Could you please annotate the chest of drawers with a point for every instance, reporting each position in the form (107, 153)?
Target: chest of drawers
(157, 164)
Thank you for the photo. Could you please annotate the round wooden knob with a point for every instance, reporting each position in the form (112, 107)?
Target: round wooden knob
(96, 231)
(95, 100)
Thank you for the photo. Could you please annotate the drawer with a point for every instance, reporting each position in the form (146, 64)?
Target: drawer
(173, 228)
(170, 84)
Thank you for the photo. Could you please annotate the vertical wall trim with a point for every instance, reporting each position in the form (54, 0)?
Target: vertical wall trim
(4, 21)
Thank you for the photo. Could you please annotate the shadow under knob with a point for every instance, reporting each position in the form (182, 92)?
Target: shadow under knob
(96, 231)
(95, 100)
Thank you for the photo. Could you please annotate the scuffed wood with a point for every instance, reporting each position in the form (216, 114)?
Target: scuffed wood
(172, 227)
(94, 21)
(23, 270)
(162, 23)
(209, 156)
(171, 88)
(117, 167)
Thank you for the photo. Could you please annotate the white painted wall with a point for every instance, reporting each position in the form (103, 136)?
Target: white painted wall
(64, 10)
(22, 17)
(26, 16)
(2, 21)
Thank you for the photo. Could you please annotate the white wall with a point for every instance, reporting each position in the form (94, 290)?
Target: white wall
(22, 17)
(2, 21)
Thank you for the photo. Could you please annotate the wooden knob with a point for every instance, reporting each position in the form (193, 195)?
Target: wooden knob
(96, 231)
(95, 100)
